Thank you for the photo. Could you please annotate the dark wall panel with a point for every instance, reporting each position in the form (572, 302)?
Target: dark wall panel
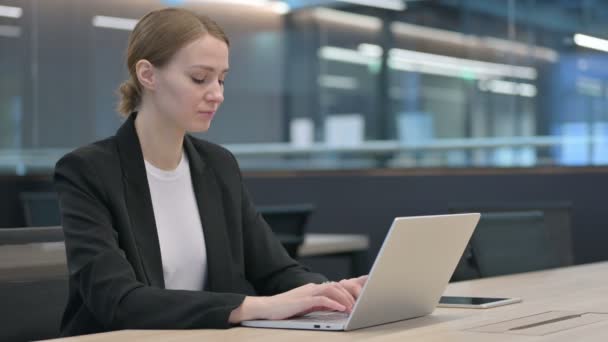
(366, 204)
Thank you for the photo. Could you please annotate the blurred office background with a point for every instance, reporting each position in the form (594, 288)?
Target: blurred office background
(345, 114)
(331, 84)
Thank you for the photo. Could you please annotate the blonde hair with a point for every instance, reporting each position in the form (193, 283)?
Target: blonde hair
(156, 38)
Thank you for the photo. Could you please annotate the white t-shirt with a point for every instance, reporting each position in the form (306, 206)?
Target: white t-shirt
(179, 227)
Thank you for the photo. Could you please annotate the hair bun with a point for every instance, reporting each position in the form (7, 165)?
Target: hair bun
(129, 97)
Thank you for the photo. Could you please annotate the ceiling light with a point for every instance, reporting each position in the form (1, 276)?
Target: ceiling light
(10, 11)
(407, 60)
(371, 50)
(114, 22)
(463, 64)
(279, 7)
(338, 82)
(397, 5)
(345, 55)
(472, 41)
(347, 18)
(508, 88)
(591, 42)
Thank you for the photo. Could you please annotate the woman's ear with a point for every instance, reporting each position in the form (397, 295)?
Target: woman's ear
(145, 72)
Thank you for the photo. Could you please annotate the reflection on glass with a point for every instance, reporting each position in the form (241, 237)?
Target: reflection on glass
(352, 84)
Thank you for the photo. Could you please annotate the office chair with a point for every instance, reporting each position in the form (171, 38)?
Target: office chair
(512, 242)
(288, 222)
(33, 282)
(467, 266)
(557, 220)
(506, 243)
(40, 209)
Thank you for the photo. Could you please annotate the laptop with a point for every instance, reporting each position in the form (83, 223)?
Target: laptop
(409, 275)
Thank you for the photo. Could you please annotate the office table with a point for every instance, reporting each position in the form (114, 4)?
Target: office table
(33, 261)
(352, 246)
(327, 244)
(569, 290)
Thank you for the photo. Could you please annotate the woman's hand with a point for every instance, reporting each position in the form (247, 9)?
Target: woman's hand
(331, 296)
(354, 285)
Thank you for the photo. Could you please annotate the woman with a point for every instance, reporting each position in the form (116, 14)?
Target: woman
(160, 232)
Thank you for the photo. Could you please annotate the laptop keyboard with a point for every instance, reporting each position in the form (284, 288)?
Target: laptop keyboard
(322, 316)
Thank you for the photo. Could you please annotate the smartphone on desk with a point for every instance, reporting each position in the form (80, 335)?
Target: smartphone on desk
(474, 302)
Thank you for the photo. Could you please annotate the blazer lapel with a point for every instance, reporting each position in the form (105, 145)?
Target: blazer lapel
(139, 202)
(209, 199)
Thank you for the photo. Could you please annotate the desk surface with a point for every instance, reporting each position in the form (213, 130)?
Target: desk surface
(580, 288)
(320, 244)
(33, 260)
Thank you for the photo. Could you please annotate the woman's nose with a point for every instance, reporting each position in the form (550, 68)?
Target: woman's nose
(216, 94)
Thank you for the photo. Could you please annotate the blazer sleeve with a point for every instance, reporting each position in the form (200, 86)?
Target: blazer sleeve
(268, 266)
(104, 277)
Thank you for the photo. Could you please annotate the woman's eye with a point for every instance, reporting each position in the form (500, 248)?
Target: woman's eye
(204, 80)
(199, 80)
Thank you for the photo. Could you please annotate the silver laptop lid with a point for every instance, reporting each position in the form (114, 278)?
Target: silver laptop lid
(412, 269)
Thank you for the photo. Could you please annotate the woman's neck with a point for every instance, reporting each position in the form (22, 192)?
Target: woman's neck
(161, 142)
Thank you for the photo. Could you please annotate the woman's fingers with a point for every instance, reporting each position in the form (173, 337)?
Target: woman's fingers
(352, 286)
(319, 303)
(352, 299)
(311, 297)
(346, 294)
(361, 280)
(338, 293)
(325, 302)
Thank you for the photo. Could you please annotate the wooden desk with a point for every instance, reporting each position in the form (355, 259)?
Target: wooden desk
(579, 288)
(32, 261)
(327, 244)
(41, 259)
(351, 246)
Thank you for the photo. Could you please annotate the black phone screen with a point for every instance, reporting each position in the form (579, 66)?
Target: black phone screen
(468, 300)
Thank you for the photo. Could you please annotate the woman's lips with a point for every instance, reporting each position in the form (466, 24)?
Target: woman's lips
(208, 114)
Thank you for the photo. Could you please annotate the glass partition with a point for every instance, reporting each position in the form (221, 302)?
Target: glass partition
(330, 84)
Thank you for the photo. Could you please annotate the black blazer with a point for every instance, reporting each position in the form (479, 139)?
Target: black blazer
(114, 261)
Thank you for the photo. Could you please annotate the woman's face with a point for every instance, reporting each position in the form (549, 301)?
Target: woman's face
(190, 88)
